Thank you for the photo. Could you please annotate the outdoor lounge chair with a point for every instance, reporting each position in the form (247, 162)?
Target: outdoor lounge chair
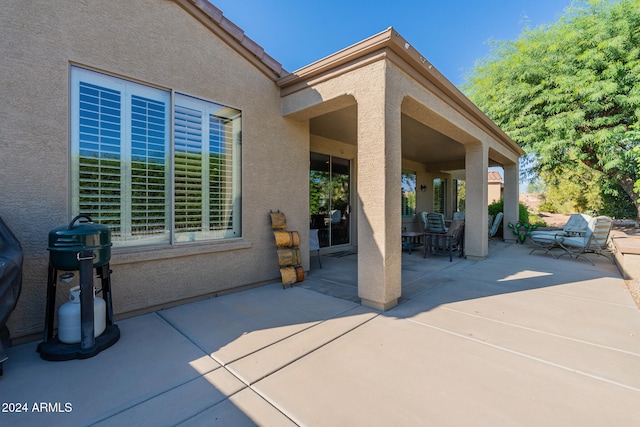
(496, 223)
(576, 226)
(595, 240)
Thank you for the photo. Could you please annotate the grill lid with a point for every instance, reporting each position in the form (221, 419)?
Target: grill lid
(66, 241)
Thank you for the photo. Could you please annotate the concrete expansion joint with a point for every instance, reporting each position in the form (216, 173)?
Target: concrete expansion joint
(538, 331)
(177, 329)
(525, 355)
(250, 384)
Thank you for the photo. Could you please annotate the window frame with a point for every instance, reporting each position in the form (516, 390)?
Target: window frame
(231, 177)
(440, 195)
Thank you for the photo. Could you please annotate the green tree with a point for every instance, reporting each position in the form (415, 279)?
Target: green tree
(573, 191)
(569, 92)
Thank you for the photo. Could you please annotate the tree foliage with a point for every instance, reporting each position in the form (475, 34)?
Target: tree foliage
(569, 92)
(573, 191)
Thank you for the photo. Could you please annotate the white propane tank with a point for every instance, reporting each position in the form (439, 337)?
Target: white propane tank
(69, 324)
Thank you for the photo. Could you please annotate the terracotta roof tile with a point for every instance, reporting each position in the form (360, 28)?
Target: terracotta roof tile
(253, 46)
(236, 33)
(232, 28)
(495, 176)
(207, 7)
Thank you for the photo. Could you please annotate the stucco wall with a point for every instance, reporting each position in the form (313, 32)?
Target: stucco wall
(494, 191)
(158, 43)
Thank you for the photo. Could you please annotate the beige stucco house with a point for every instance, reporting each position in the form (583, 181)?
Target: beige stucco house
(495, 187)
(165, 121)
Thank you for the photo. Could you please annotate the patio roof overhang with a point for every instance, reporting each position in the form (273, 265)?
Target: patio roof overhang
(438, 148)
(384, 97)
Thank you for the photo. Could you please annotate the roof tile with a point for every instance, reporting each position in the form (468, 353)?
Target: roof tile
(495, 176)
(214, 13)
(235, 31)
(253, 46)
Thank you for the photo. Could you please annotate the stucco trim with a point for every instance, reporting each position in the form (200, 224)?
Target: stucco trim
(361, 50)
(213, 18)
(138, 254)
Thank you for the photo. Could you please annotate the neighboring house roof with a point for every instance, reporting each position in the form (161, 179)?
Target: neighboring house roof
(212, 18)
(495, 176)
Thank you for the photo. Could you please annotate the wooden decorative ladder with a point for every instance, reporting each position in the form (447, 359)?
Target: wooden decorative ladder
(287, 243)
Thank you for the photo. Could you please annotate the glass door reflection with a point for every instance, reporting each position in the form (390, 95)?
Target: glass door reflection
(329, 199)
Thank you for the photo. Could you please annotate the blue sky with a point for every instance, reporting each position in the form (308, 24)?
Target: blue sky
(452, 35)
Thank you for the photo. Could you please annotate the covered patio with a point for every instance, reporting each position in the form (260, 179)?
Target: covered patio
(381, 105)
(513, 339)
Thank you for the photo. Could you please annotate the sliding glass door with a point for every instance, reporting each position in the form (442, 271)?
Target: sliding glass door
(329, 199)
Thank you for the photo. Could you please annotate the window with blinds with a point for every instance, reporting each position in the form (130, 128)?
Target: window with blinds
(439, 201)
(125, 174)
(206, 142)
(98, 134)
(408, 193)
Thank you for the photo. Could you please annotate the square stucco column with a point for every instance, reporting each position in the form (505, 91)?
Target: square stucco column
(511, 199)
(476, 230)
(379, 212)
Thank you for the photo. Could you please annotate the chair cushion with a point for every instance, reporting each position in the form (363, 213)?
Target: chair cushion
(544, 238)
(576, 242)
(547, 233)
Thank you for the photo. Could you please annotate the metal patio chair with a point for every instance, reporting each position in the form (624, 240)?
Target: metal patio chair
(448, 242)
(595, 240)
(545, 240)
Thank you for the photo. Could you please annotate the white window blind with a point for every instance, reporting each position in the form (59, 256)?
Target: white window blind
(99, 134)
(188, 171)
(207, 194)
(122, 163)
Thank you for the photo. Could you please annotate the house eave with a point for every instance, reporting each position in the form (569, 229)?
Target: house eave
(213, 19)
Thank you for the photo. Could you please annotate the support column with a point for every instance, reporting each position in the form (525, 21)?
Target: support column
(476, 229)
(379, 203)
(511, 199)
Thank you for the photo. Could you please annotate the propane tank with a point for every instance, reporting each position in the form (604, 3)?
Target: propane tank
(69, 322)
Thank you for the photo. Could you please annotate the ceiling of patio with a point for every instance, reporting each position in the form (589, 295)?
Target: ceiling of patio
(420, 143)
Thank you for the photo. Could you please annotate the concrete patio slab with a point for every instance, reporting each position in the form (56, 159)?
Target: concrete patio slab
(260, 364)
(181, 403)
(609, 364)
(150, 358)
(242, 323)
(586, 319)
(510, 340)
(245, 408)
(395, 372)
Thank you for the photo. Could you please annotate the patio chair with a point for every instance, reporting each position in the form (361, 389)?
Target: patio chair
(595, 240)
(496, 223)
(448, 242)
(576, 226)
(314, 243)
(422, 217)
(458, 215)
(435, 223)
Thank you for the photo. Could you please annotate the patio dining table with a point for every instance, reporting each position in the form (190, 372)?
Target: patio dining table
(412, 239)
